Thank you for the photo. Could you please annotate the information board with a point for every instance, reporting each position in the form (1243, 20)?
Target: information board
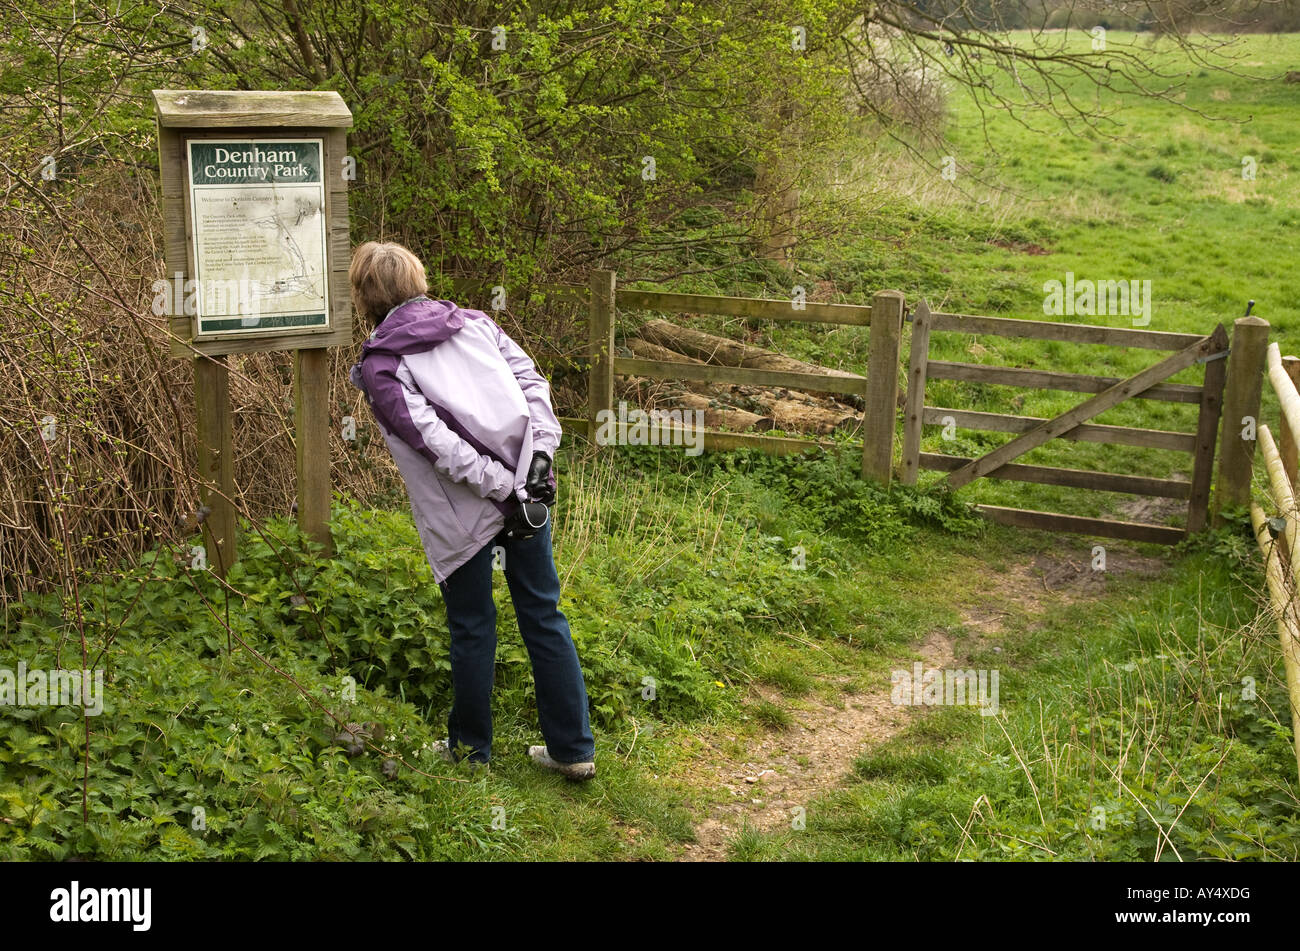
(257, 210)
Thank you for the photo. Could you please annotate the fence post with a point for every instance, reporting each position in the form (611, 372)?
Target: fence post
(600, 382)
(879, 419)
(1288, 440)
(216, 461)
(914, 410)
(311, 422)
(1240, 414)
(1207, 432)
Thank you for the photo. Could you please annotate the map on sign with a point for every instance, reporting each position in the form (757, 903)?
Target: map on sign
(257, 209)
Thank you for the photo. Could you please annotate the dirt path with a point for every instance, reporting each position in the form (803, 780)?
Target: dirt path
(785, 769)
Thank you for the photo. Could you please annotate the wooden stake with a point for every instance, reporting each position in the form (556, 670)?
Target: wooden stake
(216, 462)
(600, 385)
(1207, 432)
(311, 416)
(913, 413)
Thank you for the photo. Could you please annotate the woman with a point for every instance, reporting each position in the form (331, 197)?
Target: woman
(469, 422)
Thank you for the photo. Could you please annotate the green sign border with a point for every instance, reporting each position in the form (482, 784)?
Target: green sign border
(227, 325)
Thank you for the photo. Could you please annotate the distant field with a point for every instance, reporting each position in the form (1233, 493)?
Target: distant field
(1155, 193)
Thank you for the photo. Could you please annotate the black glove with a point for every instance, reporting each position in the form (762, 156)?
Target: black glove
(526, 520)
(538, 484)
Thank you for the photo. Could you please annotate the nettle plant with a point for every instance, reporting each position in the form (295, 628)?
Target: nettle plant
(280, 714)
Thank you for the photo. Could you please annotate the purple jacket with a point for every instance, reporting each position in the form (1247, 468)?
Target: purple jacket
(463, 409)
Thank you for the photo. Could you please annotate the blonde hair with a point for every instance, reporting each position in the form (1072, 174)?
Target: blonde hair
(384, 275)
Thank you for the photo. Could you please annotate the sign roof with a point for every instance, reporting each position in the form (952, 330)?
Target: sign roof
(212, 108)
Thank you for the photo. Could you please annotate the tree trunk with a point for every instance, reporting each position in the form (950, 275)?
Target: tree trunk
(645, 350)
(777, 191)
(715, 417)
(798, 417)
(723, 352)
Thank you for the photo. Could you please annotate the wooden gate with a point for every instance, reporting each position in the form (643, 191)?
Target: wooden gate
(1188, 349)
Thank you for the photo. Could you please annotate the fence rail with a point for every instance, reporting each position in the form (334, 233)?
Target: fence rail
(1084, 432)
(1080, 525)
(709, 373)
(712, 440)
(1071, 478)
(1053, 380)
(1066, 333)
(765, 308)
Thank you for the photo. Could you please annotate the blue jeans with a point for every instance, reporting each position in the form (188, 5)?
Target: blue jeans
(472, 617)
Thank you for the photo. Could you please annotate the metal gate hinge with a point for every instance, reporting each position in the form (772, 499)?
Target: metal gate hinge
(1215, 356)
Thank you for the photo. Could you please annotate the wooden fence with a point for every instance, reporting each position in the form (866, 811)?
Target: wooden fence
(1032, 432)
(1231, 385)
(878, 389)
(1279, 535)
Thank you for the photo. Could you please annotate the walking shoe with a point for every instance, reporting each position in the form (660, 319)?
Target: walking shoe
(578, 772)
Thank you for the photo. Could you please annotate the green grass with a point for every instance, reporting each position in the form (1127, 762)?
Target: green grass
(1166, 202)
(680, 571)
(676, 574)
(1125, 735)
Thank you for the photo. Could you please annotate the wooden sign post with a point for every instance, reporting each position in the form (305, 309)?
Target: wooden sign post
(255, 219)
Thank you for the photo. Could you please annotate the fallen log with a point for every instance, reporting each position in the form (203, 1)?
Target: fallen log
(795, 416)
(799, 396)
(664, 395)
(652, 351)
(715, 417)
(765, 407)
(721, 351)
(754, 394)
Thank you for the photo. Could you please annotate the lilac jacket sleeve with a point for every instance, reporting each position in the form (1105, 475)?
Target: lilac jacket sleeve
(406, 412)
(546, 426)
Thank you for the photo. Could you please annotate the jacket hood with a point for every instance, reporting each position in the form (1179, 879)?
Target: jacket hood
(414, 326)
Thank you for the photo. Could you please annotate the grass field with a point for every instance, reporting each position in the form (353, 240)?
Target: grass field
(769, 733)
(1165, 202)
(1153, 192)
